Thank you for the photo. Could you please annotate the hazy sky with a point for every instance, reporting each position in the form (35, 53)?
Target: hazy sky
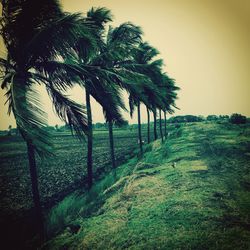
(205, 46)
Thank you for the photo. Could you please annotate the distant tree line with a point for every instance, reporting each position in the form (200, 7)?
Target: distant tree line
(234, 119)
(238, 119)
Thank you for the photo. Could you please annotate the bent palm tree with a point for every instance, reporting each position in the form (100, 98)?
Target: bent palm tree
(144, 56)
(166, 94)
(169, 89)
(154, 72)
(106, 75)
(117, 52)
(37, 36)
(95, 80)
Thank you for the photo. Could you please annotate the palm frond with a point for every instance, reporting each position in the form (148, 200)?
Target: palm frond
(96, 20)
(7, 79)
(63, 74)
(99, 17)
(144, 53)
(6, 70)
(124, 34)
(20, 22)
(9, 101)
(108, 96)
(5, 64)
(30, 117)
(69, 111)
(121, 41)
(60, 37)
(132, 105)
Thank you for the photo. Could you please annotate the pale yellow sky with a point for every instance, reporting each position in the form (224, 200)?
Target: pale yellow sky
(205, 45)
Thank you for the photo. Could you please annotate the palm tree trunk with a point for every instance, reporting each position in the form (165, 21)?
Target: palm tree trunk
(111, 144)
(155, 125)
(35, 190)
(139, 127)
(148, 125)
(165, 124)
(161, 126)
(89, 142)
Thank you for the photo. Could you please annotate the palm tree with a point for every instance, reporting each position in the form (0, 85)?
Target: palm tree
(144, 56)
(156, 100)
(120, 42)
(165, 98)
(169, 89)
(37, 36)
(95, 79)
(135, 99)
(107, 76)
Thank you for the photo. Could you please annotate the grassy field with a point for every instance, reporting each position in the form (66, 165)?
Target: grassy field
(200, 202)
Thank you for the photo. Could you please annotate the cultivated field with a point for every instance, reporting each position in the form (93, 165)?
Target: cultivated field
(60, 174)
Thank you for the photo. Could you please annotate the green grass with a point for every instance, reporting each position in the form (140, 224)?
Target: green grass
(202, 203)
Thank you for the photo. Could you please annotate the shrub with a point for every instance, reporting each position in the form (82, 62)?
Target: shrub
(177, 126)
(238, 119)
(65, 212)
(212, 118)
(165, 151)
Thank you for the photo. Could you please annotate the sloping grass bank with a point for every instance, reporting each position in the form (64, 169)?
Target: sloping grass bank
(191, 192)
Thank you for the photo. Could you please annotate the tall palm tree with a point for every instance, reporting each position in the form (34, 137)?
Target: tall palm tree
(157, 100)
(169, 89)
(167, 97)
(99, 17)
(108, 75)
(135, 99)
(37, 36)
(164, 100)
(120, 42)
(95, 78)
(144, 56)
(117, 57)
